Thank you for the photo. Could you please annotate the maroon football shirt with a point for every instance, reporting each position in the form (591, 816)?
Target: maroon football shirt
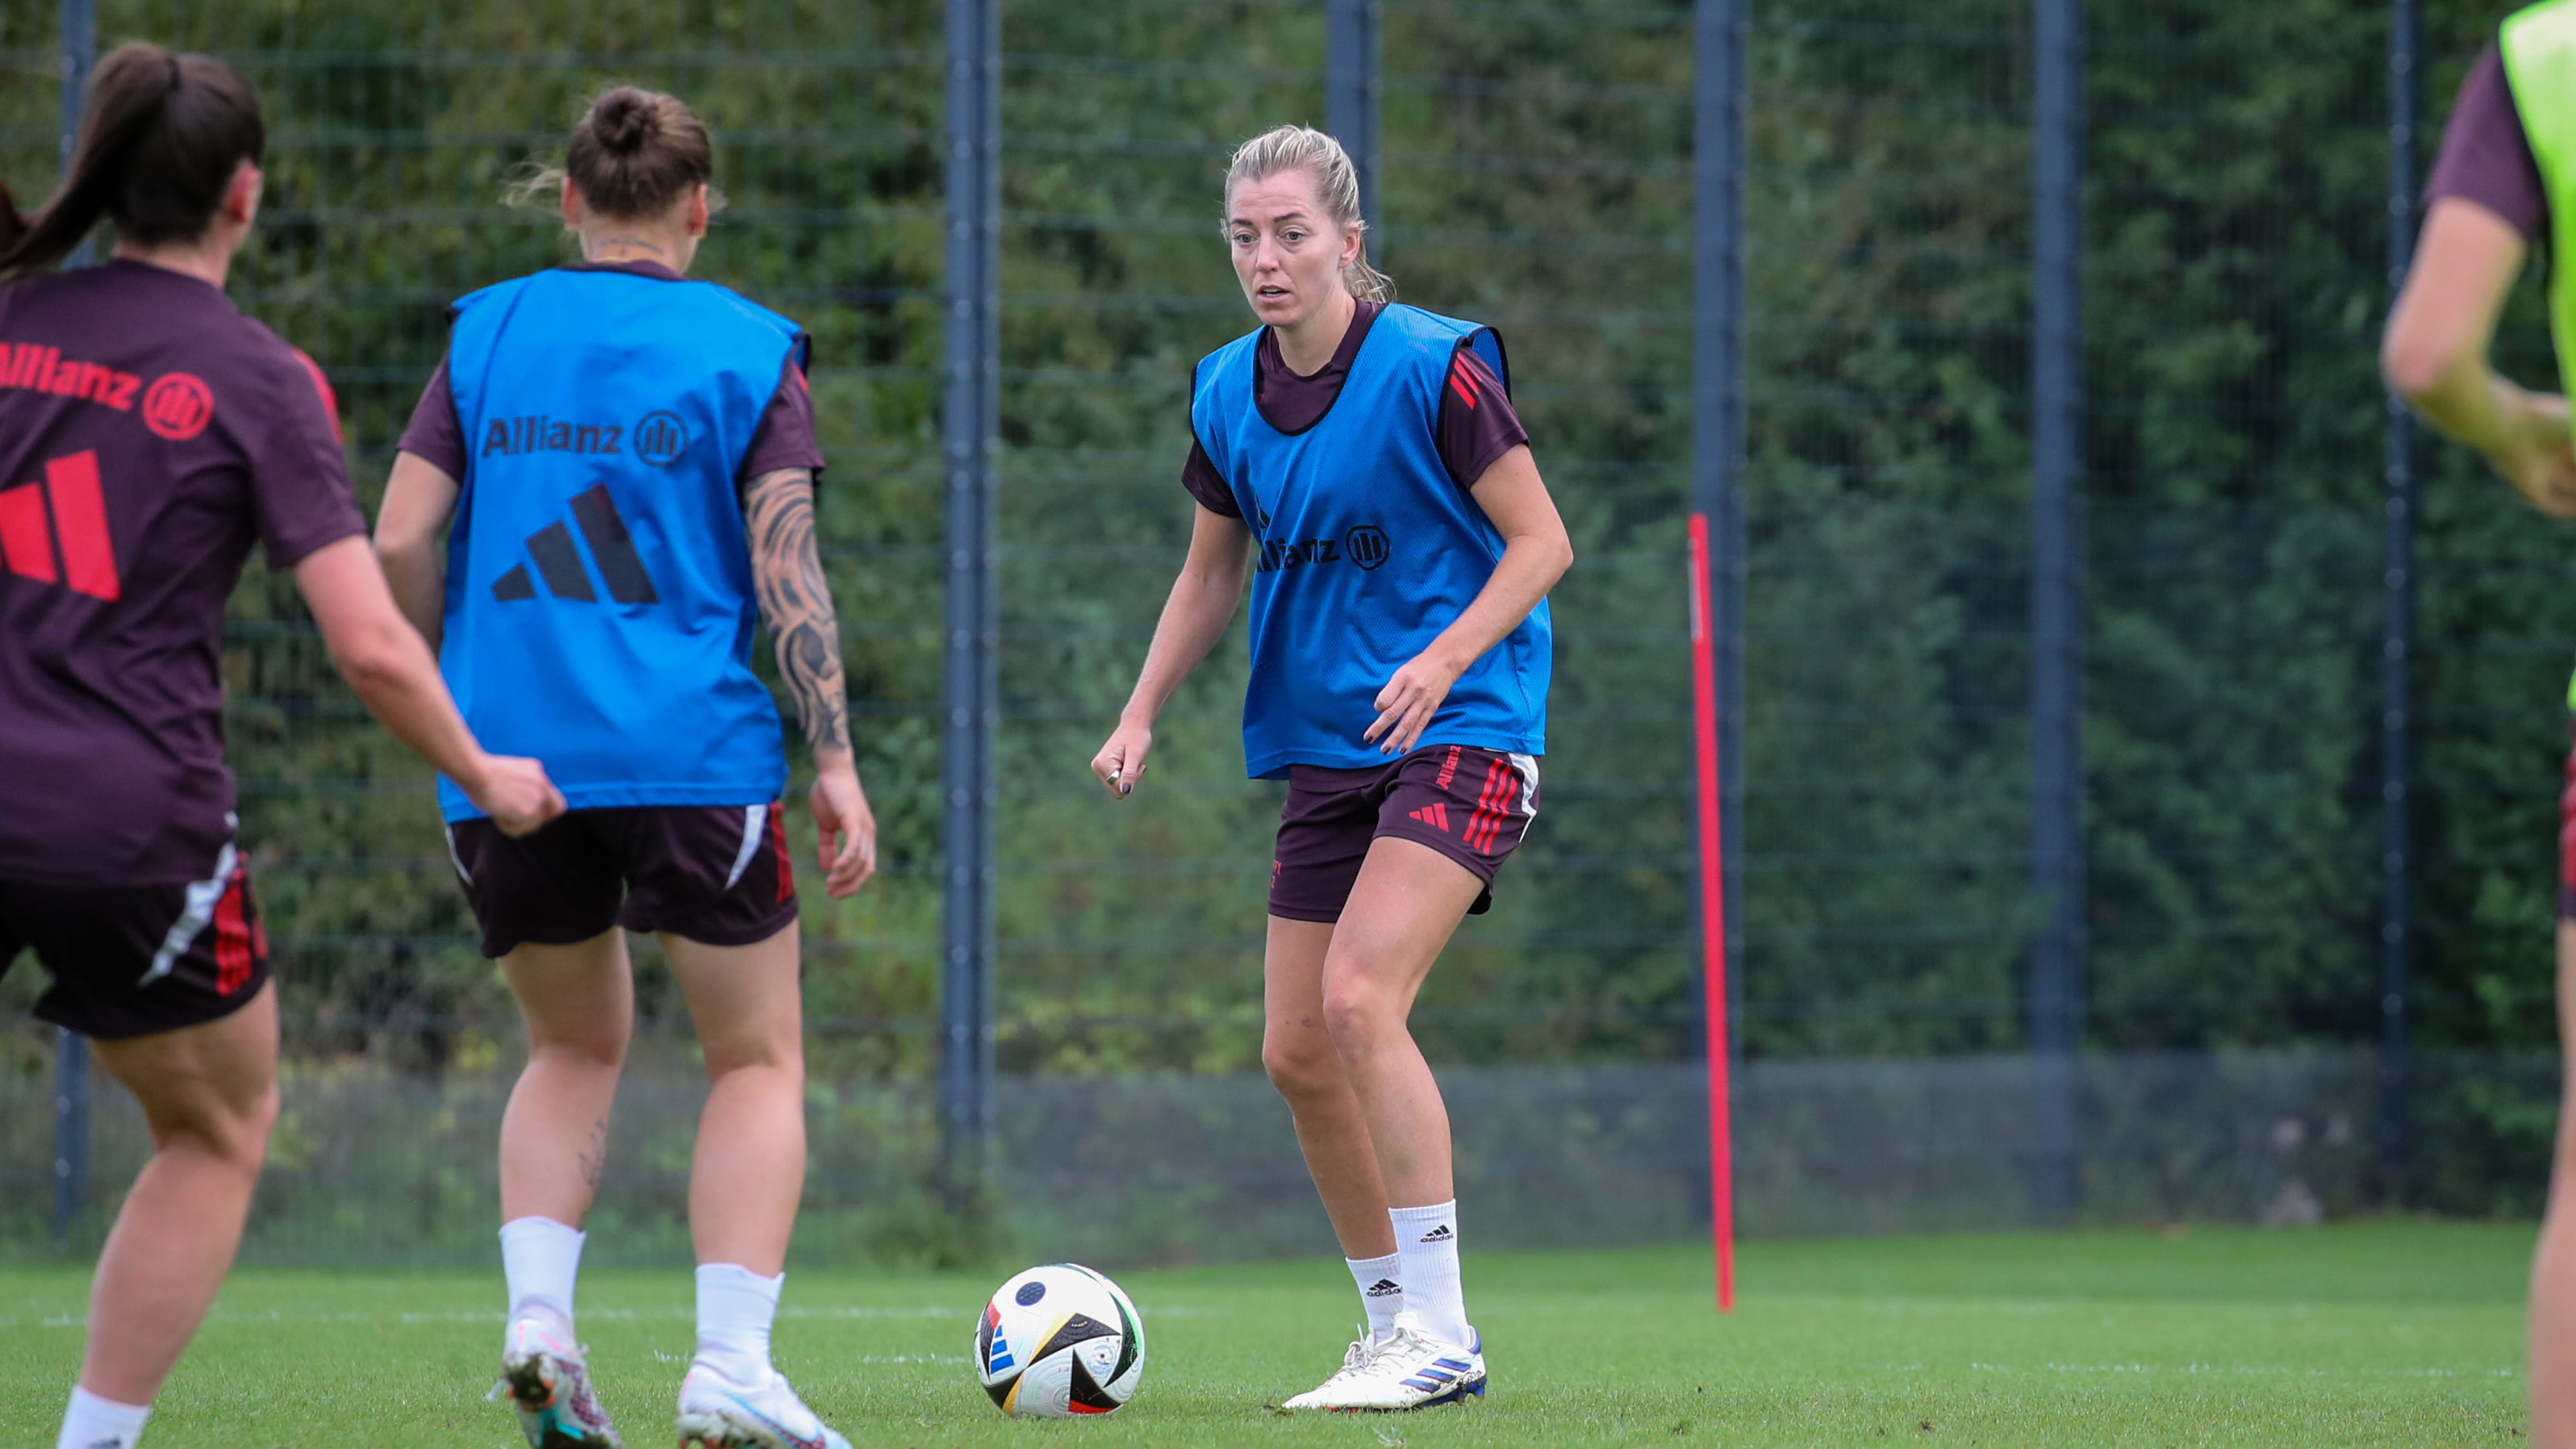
(2486, 155)
(1470, 437)
(149, 435)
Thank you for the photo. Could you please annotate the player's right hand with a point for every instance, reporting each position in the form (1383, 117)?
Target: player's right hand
(1121, 762)
(2537, 456)
(845, 828)
(516, 794)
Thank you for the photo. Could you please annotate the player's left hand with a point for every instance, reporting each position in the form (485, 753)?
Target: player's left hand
(845, 830)
(1406, 705)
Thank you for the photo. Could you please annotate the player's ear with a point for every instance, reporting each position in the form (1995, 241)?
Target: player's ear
(698, 210)
(241, 194)
(572, 206)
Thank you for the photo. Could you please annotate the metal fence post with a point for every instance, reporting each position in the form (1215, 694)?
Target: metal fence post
(71, 1050)
(2396, 860)
(1351, 99)
(2057, 602)
(969, 685)
(1717, 518)
(1717, 414)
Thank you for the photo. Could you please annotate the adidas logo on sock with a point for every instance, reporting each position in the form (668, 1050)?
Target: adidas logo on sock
(1440, 1234)
(1435, 814)
(1384, 1288)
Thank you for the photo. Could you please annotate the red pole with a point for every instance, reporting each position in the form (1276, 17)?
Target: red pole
(1712, 920)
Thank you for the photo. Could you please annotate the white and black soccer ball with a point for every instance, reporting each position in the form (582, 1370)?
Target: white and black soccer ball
(1058, 1342)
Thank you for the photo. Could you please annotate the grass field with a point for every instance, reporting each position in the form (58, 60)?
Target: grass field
(2391, 1333)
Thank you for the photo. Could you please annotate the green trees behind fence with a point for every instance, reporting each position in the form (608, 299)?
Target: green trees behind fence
(1537, 179)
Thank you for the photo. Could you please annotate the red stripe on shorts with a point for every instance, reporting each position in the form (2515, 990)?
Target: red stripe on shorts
(778, 844)
(232, 936)
(1482, 829)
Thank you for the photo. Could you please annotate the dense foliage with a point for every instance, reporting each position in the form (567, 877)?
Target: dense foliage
(1537, 179)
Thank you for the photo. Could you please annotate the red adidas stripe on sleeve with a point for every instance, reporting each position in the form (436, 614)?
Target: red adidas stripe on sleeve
(322, 385)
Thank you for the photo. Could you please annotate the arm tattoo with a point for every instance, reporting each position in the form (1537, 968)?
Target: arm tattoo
(796, 602)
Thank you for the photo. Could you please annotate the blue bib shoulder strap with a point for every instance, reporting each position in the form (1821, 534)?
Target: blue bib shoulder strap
(491, 307)
(1220, 388)
(800, 346)
(1445, 335)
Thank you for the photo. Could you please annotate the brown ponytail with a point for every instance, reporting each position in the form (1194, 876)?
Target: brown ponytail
(159, 141)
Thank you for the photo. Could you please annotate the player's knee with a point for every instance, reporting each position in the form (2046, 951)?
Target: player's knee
(232, 1129)
(1356, 1008)
(592, 1046)
(779, 1056)
(1301, 1069)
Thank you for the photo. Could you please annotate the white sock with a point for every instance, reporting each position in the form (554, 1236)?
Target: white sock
(95, 1423)
(540, 1257)
(1381, 1290)
(1426, 1239)
(735, 1308)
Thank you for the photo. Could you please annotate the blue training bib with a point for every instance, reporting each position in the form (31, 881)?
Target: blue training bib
(600, 610)
(1367, 551)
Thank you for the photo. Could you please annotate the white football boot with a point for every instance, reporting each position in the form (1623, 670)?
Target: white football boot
(717, 1413)
(1410, 1369)
(549, 1384)
(1355, 1362)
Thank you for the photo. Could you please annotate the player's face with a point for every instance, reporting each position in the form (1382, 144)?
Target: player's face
(1288, 253)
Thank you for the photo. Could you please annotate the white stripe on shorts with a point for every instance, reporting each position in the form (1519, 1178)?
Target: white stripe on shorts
(1528, 767)
(202, 896)
(753, 818)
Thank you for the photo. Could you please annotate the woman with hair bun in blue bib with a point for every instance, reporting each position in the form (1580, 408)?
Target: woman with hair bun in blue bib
(1363, 460)
(623, 462)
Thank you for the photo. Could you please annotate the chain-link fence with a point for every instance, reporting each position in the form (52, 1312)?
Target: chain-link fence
(1536, 175)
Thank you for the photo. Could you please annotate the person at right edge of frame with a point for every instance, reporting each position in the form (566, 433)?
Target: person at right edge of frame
(623, 462)
(2505, 179)
(1365, 458)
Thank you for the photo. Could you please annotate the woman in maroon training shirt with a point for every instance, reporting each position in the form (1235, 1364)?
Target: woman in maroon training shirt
(149, 435)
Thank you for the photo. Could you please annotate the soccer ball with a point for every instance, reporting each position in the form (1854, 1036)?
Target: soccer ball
(1059, 1341)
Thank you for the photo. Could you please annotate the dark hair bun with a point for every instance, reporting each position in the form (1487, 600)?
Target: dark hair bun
(638, 151)
(625, 121)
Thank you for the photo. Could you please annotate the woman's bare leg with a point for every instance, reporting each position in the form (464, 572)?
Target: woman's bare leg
(1297, 1050)
(749, 1168)
(209, 1095)
(1407, 903)
(579, 1001)
(2553, 1269)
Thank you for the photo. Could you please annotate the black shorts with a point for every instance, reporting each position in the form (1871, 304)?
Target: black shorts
(714, 874)
(137, 960)
(1470, 804)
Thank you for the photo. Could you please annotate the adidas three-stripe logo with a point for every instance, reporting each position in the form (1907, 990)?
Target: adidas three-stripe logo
(79, 529)
(559, 562)
(1384, 1288)
(1435, 815)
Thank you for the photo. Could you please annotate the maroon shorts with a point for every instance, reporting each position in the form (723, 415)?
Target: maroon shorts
(136, 960)
(714, 874)
(1470, 804)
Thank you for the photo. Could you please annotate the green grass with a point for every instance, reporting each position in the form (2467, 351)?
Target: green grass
(2391, 1333)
